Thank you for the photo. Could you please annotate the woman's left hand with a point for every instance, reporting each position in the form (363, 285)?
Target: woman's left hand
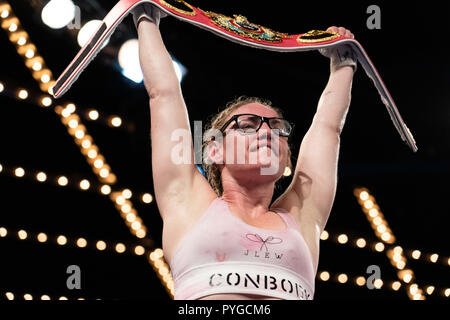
(342, 31)
(340, 55)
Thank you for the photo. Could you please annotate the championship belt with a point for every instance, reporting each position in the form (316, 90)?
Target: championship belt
(237, 29)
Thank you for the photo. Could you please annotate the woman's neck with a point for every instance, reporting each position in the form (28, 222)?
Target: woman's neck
(252, 198)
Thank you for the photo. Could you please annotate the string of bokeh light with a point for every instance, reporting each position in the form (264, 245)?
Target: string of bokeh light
(77, 242)
(36, 64)
(10, 23)
(63, 181)
(8, 295)
(381, 228)
(361, 281)
(46, 101)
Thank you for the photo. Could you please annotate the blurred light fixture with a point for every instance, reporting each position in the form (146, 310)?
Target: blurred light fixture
(129, 60)
(58, 13)
(87, 31)
(131, 68)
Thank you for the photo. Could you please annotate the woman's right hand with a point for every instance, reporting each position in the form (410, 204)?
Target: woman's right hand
(149, 12)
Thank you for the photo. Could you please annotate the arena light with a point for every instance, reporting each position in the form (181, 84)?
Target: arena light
(180, 70)
(129, 60)
(131, 68)
(58, 13)
(87, 31)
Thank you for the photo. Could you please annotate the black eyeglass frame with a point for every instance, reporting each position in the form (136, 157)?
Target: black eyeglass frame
(263, 119)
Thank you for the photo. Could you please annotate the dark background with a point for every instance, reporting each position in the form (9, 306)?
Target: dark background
(410, 188)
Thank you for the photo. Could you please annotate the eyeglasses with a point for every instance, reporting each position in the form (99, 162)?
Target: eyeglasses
(251, 123)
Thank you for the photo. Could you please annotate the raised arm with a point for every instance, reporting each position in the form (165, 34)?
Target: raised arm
(173, 181)
(312, 191)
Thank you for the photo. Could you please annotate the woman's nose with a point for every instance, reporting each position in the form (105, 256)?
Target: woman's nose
(265, 132)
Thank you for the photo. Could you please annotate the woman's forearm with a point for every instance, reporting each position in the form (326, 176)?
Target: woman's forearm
(335, 100)
(157, 67)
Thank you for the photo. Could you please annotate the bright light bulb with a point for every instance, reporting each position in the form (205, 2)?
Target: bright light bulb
(342, 238)
(29, 54)
(125, 208)
(416, 254)
(373, 212)
(129, 60)
(2, 87)
(79, 134)
(58, 13)
(127, 194)
(46, 101)
(381, 228)
(41, 177)
(28, 296)
(378, 283)
(287, 172)
(63, 181)
(360, 281)
(430, 290)
(21, 41)
(22, 234)
(23, 94)
(324, 276)
(13, 27)
(139, 250)
(84, 184)
(37, 66)
(81, 242)
(42, 237)
(61, 240)
(120, 247)
(4, 14)
(140, 233)
(86, 143)
(19, 172)
(3, 232)
(324, 235)
(101, 245)
(73, 123)
(105, 189)
(364, 195)
(342, 278)
(147, 198)
(45, 78)
(116, 122)
(396, 285)
(87, 31)
(104, 173)
(361, 243)
(93, 115)
(71, 108)
(131, 217)
(180, 70)
(136, 225)
(92, 153)
(379, 247)
(368, 204)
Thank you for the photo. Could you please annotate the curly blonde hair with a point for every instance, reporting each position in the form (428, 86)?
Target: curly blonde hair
(212, 170)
